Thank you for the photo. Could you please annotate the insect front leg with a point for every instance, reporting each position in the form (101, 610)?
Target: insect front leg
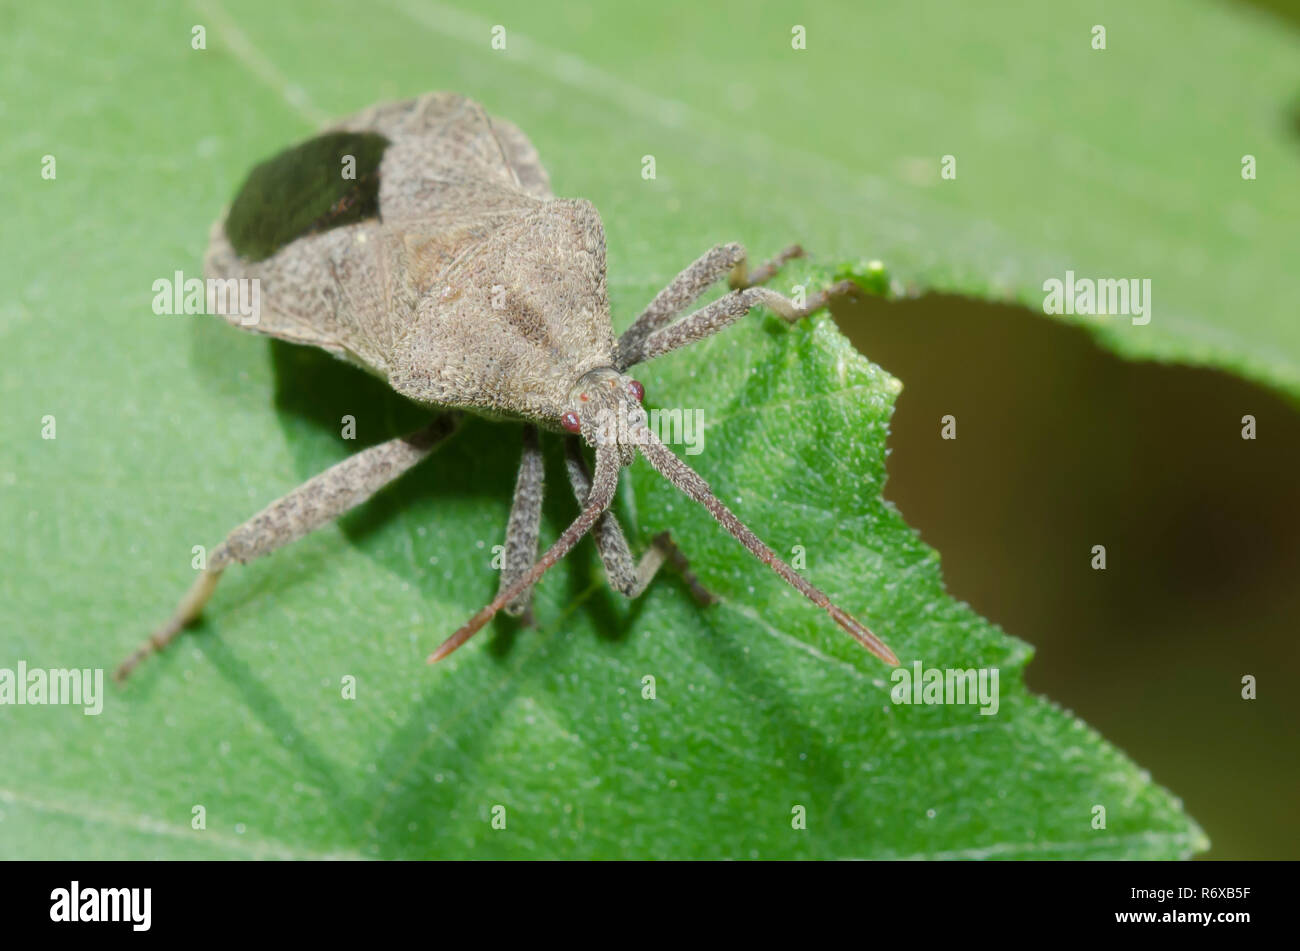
(627, 575)
(741, 277)
(724, 311)
(319, 500)
(524, 526)
(724, 260)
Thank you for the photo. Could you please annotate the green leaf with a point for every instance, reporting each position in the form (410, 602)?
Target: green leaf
(170, 430)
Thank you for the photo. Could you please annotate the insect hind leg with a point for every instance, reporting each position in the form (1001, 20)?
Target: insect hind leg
(319, 500)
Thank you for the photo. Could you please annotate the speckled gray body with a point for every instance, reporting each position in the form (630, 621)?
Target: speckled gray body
(477, 289)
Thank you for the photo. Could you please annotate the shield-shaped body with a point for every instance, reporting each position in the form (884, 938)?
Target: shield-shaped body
(420, 240)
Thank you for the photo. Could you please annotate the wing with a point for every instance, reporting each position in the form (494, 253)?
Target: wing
(441, 141)
(341, 262)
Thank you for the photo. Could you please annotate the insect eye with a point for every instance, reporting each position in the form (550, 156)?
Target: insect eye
(570, 422)
(636, 389)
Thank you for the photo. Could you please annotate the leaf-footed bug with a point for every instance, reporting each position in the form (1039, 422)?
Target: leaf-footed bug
(444, 265)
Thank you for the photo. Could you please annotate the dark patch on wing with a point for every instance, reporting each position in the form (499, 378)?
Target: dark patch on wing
(302, 191)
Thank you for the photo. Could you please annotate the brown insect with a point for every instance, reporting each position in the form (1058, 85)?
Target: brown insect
(444, 265)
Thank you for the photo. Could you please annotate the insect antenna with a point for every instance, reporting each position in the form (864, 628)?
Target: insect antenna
(690, 483)
(603, 484)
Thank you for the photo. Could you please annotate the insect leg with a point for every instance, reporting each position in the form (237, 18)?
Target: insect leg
(524, 525)
(626, 575)
(712, 318)
(317, 501)
(603, 485)
(741, 277)
(725, 260)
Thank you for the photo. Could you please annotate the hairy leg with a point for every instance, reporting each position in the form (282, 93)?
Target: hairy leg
(724, 311)
(724, 260)
(319, 500)
(627, 575)
(525, 522)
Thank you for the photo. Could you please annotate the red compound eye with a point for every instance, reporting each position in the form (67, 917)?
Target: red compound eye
(636, 389)
(570, 422)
